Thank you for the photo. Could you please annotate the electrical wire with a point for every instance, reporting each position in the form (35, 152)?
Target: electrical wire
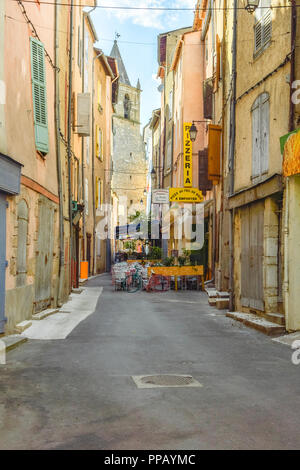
(204, 43)
(125, 7)
(34, 32)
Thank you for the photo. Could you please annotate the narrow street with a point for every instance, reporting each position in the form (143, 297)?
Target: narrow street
(78, 393)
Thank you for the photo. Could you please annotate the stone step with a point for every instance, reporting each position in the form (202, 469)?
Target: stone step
(212, 301)
(222, 303)
(44, 313)
(77, 291)
(223, 294)
(278, 318)
(13, 341)
(257, 322)
(211, 292)
(20, 327)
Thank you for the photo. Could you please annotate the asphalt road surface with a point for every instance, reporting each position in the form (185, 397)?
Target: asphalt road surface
(78, 392)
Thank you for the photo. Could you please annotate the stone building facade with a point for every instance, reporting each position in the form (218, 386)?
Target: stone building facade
(129, 161)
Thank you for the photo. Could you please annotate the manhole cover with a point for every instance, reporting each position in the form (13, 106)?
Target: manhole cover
(165, 380)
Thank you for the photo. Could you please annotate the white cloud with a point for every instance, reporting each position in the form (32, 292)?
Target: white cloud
(149, 18)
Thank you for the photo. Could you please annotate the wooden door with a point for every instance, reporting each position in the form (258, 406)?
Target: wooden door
(2, 259)
(44, 259)
(252, 256)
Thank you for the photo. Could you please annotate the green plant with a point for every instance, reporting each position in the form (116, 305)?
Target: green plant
(155, 253)
(181, 260)
(169, 261)
(130, 245)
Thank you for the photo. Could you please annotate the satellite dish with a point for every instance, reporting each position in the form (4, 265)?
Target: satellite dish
(160, 88)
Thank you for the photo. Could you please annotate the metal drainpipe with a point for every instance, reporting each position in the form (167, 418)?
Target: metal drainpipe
(286, 255)
(59, 172)
(83, 139)
(69, 141)
(231, 156)
(287, 183)
(292, 73)
(93, 162)
(82, 142)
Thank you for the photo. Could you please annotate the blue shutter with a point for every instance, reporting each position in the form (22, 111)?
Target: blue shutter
(39, 95)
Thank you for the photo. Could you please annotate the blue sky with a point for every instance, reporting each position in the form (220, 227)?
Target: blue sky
(140, 26)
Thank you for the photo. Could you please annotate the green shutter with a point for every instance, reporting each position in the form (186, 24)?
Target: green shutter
(39, 95)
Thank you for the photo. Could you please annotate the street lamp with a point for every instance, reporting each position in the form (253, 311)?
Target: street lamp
(251, 5)
(194, 131)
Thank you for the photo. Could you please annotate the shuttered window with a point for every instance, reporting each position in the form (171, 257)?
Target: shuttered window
(204, 183)
(260, 135)
(99, 195)
(262, 26)
(39, 95)
(99, 143)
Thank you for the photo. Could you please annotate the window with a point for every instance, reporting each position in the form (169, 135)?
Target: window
(262, 26)
(39, 95)
(99, 143)
(260, 135)
(127, 106)
(99, 194)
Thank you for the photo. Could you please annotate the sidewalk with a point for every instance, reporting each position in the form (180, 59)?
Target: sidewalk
(62, 323)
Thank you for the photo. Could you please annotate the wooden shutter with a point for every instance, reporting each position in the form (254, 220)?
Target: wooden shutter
(258, 36)
(256, 139)
(96, 193)
(267, 27)
(204, 183)
(83, 113)
(260, 135)
(39, 95)
(264, 129)
(218, 61)
(214, 152)
(207, 98)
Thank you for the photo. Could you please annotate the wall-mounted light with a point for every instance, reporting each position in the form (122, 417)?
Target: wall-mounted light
(251, 5)
(193, 132)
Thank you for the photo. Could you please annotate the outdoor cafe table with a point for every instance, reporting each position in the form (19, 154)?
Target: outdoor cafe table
(179, 271)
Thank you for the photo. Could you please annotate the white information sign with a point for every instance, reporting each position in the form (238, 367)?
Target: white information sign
(160, 196)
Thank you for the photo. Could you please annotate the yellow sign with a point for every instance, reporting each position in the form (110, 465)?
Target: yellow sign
(189, 195)
(187, 156)
(291, 153)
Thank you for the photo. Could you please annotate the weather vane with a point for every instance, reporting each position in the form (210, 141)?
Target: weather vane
(117, 36)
